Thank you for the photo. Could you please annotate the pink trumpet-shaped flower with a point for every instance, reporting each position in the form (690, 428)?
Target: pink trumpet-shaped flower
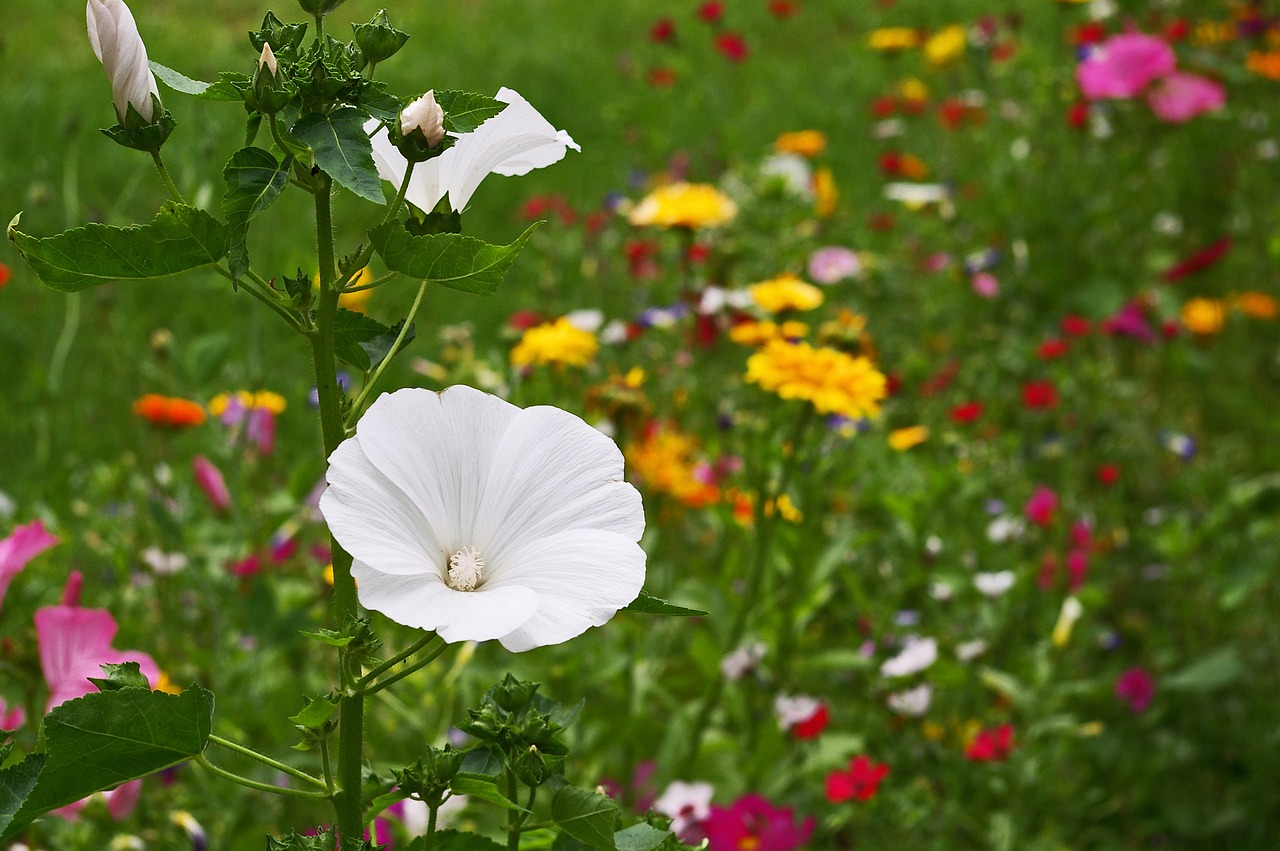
(22, 545)
(1124, 65)
(1180, 97)
(74, 644)
(210, 480)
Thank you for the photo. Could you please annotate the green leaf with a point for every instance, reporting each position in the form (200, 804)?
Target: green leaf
(331, 637)
(449, 259)
(483, 787)
(640, 837)
(455, 840)
(254, 179)
(585, 815)
(465, 111)
(1220, 668)
(178, 239)
(126, 675)
(101, 740)
(316, 713)
(230, 86)
(361, 341)
(483, 761)
(16, 783)
(648, 604)
(343, 150)
(322, 841)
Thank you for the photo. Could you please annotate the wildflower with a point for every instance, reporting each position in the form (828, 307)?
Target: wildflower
(11, 719)
(967, 651)
(966, 413)
(1180, 97)
(662, 78)
(783, 8)
(860, 782)
(168, 411)
(1203, 316)
(732, 46)
(209, 479)
(991, 745)
(1077, 568)
(806, 143)
(751, 822)
(833, 264)
(477, 519)
(1067, 617)
(994, 584)
(945, 46)
(1039, 395)
(513, 142)
(664, 462)
(832, 381)
(688, 205)
(1052, 348)
(917, 195)
(1004, 528)
(893, 39)
(162, 563)
(985, 284)
(825, 194)
(711, 11)
(1256, 304)
(912, 702)
(1041, 506)
(785, 292)
(663, 30)
(1130, 321)
(902, 439)
(1075, 326)
(686, 804)
(1136, 688)
(916, 655)
(1197, 261)
(1108, 474)
(804, 716)
(23, 544)
(1182, 445)
(114, 37)
(558, 342)
(1124, 65)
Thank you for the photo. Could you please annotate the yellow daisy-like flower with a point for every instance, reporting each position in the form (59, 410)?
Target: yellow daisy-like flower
(903, 439)
(945, 46)
(555, 342)
(759, 333)
(273, 402)
(1255, 304)
(914, 90)
(832, 381)
(785, 292)
(1204, 316)
(891, 39)
(689, 205)
(825, 194)
(806, 143)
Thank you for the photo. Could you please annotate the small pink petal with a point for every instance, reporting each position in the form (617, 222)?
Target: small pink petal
(1180, 97)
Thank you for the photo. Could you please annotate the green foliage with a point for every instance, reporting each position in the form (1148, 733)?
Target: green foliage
(648, 604)
(363, 342)
(452, 260)
(254, 179)
(465, 111)
(587, 816)
(322, 841)
(453, 840)
(342, 149)
(126, 675)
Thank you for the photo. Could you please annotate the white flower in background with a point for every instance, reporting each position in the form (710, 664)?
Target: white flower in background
(585, 320)
(742, 661)
(915, 656)
(477, 519)
(163, 563)
(969, 650)
(994, 584)
(1004, 528)
(913, 702)
(917, 194)
(793, 710)
(940, 591)
(119, 48)
(513, 142)
(687, 804)
(794, 172)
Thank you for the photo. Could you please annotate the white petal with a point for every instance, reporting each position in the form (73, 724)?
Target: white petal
(375, 521)
(553, 473)
(426, 602)
(581, 577)
(437, 448)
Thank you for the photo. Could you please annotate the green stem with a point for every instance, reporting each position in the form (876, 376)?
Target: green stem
(166, 179)
(366, 253)
(324, 764)
(266, 760)
(261, 290)
(261, 787)
(412, 669)
(513, 817)
(396, 659)
(358, 405)
(390, 276)
(430, 841)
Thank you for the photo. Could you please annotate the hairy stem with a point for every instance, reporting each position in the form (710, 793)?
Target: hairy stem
(266, 760)
(261, 787)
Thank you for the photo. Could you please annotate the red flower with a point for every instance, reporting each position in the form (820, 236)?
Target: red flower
(1078, 114)
(812, 727)
(1004, 51)
(1039, 394)
(732, 45)
(783, 8)
(1075, 326)
(890, 162)
(952, 112)
(664, 29)
(1108, 473)
(1053, 348)
(941, 380)
(522, 320)
(712, 11)
(881, 221)
(753, 822)
(859, 782)
(1048, 571)
(1090, 33)
(966, 413)
(1077, 569)
(991, 745)
(883, 107)
(1177, 30)
(662, 78)
(4, 275)
(1202, 259)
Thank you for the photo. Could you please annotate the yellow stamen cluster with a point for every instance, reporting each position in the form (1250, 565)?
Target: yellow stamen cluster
(832, 381)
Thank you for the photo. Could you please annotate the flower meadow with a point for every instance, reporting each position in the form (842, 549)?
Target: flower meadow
(759, 424)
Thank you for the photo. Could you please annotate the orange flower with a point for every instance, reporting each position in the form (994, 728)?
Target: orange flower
(169, 411)
(806, 143)
(1256, 304)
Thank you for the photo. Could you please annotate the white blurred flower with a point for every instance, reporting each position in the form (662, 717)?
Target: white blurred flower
(614, 333)
(793, 710)
(970, 650)
(163, 563)
(585, 320)
(913, 702)
(118, 46)
(794, 172)
(513, 142)
(1071, 612)
(915, 656)
(994, 584)
(1005, 528)
(687, 804)
(474, 518)
(940, 591)
(742, 661)
(917, 194)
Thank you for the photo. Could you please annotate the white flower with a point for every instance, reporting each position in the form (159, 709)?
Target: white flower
(686, 804)
(917, 193)
(969, 650)
(474, 518)
(794, 172)
(585, 320)
(994, 584)
(119, 48)
(740, 662)
(913, 702)
(425, 116)
(795, 710)
(513, 142)
(1004, 528)
(918, 654)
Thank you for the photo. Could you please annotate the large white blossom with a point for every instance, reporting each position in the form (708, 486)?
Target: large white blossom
(477, 519)
(118, 46)
(513, 142)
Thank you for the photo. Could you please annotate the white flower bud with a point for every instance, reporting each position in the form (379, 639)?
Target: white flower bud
(269, 59)
(119, 48)
(426, 116)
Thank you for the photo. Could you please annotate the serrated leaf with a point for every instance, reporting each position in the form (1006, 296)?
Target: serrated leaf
(456, 840)
(178, 239)
(331, 637)
(322, 841)
(229, 86)
(101, 740)
(482, 761)
(254, 179)
(482, 786)
(585, 815)
(343, 150)
(379, 102)
(124, 675)
(648, 604)
(465, 111)
(640, 837)
(16, 783)
(352, 332)
(449, 259)
(316, 713)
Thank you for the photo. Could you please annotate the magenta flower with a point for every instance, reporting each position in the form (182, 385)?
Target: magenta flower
(74, 643)
(1180, 97)
(1124, 65)
(1136, 688)
(11, 719)
(210, 480)
(22, 545)
(752, 822)
(1042, 505)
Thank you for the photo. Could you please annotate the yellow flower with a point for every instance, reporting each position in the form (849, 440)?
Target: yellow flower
(273, 402)
(903, 439)
(1255, 304)
(690, 205)
(806, 143)
(759, 333)
(913, 167)
(555, 342)
(945, 46)
(167, 685)
(825, 195)
(893, 38)
(787, 509)
(832, 381)
(1204, 316)
(1071, 612)
(785, 292)
(913, 90)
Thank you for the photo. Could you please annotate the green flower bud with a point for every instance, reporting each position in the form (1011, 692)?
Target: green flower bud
(378, 40)
(285, 39)
(319, 7)
(271, 91)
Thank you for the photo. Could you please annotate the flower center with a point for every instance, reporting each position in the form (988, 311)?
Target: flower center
(466, 568)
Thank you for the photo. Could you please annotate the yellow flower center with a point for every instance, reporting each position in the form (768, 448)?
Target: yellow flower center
(466, 568)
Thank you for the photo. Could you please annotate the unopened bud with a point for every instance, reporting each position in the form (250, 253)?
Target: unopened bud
(269, 60)
(425, 116)
(378, 40)
(118, 46)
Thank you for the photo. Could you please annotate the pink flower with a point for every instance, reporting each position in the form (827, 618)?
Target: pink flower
(1124, 65)
(991, 745)
(22, 545)
(1181, 97)
(210, 480)
(985, 284)
(11, 719)
(752, 822)
(1077, 569)
(1136, 688)
(1041, 506)
(833, 263)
